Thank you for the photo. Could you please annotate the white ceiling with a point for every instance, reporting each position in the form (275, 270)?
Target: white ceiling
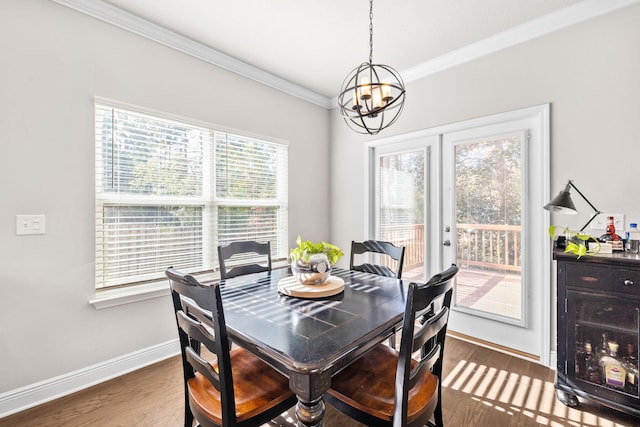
(314, 44)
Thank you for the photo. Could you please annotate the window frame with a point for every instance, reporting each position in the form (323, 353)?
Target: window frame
(208, 200)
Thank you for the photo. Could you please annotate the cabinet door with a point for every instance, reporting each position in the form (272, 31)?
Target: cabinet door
(602, 345)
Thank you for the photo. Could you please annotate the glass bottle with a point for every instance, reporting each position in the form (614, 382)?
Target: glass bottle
(592, 370)
(630, 363)
(602, 351)
(614, 374)
(610, 235)
(633, 238)
(580, 360)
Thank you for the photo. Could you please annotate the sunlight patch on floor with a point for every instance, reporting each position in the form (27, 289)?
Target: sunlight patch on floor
(512, 393)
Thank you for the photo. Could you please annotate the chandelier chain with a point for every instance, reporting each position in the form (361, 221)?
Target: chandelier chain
(370, 31)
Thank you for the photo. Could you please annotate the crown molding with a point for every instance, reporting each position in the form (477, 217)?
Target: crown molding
(113, 15)
(571, 15)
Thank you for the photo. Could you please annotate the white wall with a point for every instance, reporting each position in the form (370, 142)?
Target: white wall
(53, 61)
(590, 73)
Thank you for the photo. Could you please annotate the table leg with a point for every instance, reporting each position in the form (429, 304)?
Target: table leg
(310, 414)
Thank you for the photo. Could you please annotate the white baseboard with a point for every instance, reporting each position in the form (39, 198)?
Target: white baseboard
(44, 391)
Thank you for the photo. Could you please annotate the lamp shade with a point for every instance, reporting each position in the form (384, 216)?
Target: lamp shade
(562, 203)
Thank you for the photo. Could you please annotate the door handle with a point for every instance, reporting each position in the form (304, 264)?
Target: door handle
(446, 243)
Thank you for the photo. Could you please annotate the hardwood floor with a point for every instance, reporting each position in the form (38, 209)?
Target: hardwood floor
(481, 387)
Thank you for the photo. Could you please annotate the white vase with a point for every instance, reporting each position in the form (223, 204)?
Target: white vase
(314, 272)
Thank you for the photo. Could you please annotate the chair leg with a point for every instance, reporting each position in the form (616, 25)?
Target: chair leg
(392, 340)
(188, 415)
(437, 414)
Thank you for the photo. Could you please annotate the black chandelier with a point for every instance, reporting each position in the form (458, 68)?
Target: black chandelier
(372, 95)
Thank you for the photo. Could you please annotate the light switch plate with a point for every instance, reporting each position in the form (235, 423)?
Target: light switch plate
(600, 222)
(30, 224)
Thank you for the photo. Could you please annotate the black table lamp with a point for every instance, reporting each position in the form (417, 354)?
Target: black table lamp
(562, 203)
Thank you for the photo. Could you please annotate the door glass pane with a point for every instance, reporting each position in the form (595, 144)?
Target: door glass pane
(488, 209)
(401, 216)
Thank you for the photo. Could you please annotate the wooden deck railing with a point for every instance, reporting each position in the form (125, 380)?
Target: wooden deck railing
(480, 245)
(492, 246)
(412, 238)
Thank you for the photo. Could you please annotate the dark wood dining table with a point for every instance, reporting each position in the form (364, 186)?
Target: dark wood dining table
(310, 340)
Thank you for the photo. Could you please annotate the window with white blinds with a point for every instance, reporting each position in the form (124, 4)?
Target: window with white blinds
(168, 192)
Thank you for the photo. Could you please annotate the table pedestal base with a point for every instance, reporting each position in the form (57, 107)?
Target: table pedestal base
(310, 414)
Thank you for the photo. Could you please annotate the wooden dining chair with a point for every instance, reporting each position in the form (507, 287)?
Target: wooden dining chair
(235, 389)
(389, 388)
(388, 249)
(234, 256)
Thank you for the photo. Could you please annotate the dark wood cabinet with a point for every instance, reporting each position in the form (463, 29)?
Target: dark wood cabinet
(599, 329)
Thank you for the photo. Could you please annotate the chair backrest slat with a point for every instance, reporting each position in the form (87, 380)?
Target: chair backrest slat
(196, 331)
(194, 310)
(426, 363)
(380, 270)
(431, 328)
(203, 367)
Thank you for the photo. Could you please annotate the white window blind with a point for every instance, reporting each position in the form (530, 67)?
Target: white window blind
(169, 192)
(250, 190)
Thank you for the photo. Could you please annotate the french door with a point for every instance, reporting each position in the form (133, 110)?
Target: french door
(484, 184)
(402, 201)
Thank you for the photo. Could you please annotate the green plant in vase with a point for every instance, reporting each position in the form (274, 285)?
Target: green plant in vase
(311, 262)
(577, 243)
